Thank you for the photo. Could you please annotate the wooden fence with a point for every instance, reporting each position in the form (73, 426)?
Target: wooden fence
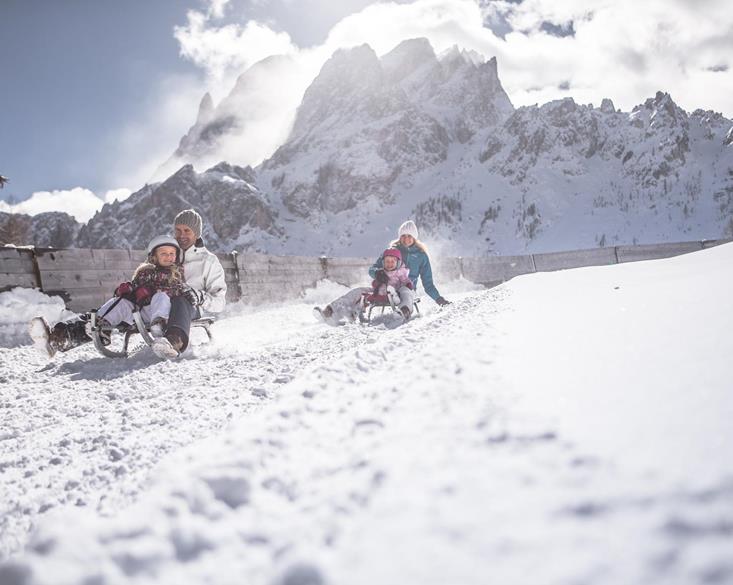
(85, 278)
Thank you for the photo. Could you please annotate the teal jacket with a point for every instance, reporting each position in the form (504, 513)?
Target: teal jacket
(418, 264)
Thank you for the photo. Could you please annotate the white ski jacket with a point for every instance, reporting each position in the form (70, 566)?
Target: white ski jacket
(203, 271)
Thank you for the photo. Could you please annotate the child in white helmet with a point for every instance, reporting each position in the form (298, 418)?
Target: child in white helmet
(151, 288)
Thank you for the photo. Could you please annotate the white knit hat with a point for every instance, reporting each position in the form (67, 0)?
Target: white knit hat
(408, 228)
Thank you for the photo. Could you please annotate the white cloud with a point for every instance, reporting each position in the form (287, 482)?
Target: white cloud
(223, 52)
(217, 8)
(625, 50)
(137, 150)
(117, 195)
(78, 202)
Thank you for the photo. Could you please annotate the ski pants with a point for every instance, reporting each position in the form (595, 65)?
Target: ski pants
(116, 311)
(182, 312)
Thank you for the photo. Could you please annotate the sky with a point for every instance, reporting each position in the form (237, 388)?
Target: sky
(96, 95)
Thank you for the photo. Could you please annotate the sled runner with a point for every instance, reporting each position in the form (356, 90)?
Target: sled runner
(102, 337)
(370, 301)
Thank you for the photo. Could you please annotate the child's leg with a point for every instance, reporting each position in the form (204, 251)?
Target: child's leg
(407, 297)
(115, 312)
(348, 305)
(159, 308)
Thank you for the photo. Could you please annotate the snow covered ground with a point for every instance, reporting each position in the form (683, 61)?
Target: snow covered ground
(568, 427)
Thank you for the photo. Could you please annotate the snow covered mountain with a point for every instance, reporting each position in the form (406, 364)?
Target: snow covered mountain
(51, 229)
(227, 195)
(412, 134)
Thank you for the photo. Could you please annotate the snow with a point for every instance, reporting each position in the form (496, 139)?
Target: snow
(19, 305)
(574, 426)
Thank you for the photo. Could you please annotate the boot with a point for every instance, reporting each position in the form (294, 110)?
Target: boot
(325, 314)
(68, 335)
(170, 346)
(406, 313)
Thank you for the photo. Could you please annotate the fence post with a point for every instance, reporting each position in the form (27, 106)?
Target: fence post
(36, 270)
(234, 254)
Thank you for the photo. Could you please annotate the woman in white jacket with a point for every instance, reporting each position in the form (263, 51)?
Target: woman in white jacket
(206, 285)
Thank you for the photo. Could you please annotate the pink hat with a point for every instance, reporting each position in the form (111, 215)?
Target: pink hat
(395, 253)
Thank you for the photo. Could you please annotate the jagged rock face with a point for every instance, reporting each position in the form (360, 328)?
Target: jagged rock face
(225, 195)
(651, 142)
(560, 132)
(652, 163)
(367, 124)
(47, 230)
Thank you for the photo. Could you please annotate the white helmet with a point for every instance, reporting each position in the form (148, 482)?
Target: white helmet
(159, 241)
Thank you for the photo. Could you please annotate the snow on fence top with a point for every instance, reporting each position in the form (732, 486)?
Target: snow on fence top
(85, 278)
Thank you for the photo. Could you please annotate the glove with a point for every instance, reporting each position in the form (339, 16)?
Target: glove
(124, 289)
(381, 277)
(442, 302)
(142, 296)
(195, 297)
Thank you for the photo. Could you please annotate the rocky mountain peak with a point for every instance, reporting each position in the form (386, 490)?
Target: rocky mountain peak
(351, 80)
(659, 112)
(206, 110)
(407, 58)
(226, 195)
(348, 70)
(225, 169)
(607, 106)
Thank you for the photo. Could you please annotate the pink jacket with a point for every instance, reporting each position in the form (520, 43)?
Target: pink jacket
(397, 278)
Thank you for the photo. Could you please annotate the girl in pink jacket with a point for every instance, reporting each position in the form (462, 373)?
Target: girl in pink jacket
(395, 274)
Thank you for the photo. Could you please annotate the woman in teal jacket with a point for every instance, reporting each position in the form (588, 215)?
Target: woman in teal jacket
(415, 256)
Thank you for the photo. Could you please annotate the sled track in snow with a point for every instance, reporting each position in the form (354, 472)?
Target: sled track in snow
(83, 430)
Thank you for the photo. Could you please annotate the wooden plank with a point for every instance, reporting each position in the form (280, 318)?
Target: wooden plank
(12, 280)
(229, 266)
(67, 280)
(280, 280)
(446, 268)
(81, 303)
(65, 259)
(112, 255)
(574, 259)
(11, 253)
(350, 277)
(349, 261)
(712, 243)
(82, 299)
(16, 265)
(655, 251)
(496, 269)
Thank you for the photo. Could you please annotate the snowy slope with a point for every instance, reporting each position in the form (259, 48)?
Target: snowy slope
(572, 426)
